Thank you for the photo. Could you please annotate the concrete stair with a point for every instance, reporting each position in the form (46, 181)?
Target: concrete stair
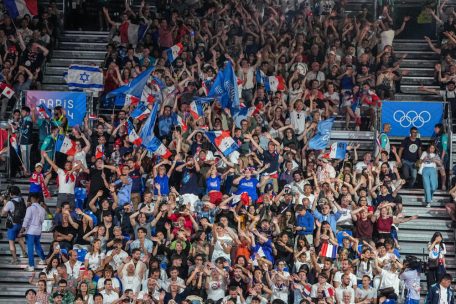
(75, 47)
(420, 63)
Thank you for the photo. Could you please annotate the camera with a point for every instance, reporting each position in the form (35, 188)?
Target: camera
(5, 196)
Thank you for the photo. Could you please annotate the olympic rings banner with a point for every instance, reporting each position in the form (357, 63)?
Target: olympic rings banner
(402, 115)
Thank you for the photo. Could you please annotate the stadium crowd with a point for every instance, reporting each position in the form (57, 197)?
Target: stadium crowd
(278, 223)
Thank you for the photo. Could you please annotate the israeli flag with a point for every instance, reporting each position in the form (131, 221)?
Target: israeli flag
(84, 77)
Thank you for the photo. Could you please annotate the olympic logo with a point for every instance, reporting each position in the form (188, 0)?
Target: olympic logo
(411, 118)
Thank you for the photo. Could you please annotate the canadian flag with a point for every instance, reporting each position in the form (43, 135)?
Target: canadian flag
(7, 90)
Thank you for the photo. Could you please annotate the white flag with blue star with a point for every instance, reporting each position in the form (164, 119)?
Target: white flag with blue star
(85, 78)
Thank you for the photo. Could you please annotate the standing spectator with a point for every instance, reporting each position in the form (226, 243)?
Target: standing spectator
(441, 292)
(15, 210)
(430, 162)
(25, 142)
(32, 225)
(409, 153)
(436, 260)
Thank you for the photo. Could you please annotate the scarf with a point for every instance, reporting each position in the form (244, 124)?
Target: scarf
(38, 178)
(69, 176)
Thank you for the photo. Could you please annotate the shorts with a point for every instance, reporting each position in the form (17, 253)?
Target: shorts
(215, 197)
(411, 301)
(13, 232)
(65, 197)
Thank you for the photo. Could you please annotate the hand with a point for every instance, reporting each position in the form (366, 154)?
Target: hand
(406, 18)
(100, 193)
(78, 211)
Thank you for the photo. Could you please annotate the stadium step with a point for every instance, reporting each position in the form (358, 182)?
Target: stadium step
(76, 47)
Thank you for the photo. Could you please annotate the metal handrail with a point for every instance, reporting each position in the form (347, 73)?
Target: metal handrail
(449, 126)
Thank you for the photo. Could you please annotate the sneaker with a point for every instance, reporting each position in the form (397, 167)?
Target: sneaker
(30, 268)
(14, 262)
(42, 262)
(428, 205)
(23, 255)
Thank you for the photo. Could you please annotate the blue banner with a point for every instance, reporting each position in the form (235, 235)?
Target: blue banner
(323, 134)
(403, 115)
(74, 103)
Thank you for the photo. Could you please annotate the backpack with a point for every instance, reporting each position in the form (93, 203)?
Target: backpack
(19, 210)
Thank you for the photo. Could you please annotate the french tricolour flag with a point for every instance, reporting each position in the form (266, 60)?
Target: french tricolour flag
(136, 32)
(140, 112)
(196, 109)
(65, 145)
(274, 83)
(174, 52)
(131, 100)
(99, 152)
(158, 148)
(329, 292)
(20, 8)
(132, 135)
(181, 123)
(223, 141)
(328, 250)
(44, 111)
(338, 150)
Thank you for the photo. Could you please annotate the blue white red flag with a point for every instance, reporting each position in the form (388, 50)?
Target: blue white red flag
(20, 8)
(132, 135)
(274, 83)
(136, 32)
(179, 121)
(133, 88)
(157, 147)
(328, 250)
(174, 52)
(223, 141)
(100, 152)
(196, 109)
(65, 145)
(140, 112)
(44, 111)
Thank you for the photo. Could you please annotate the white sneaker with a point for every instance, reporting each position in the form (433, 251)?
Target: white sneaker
(42, 262)
(428, 205)
(30, 268)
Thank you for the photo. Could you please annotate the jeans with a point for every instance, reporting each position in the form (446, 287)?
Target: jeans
(430, 182)
(25, 155)
(409, 172)
(34, 241)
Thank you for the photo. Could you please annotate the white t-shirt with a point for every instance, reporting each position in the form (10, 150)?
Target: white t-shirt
(362, 293)
(338, 278)
(118, 259)
(74, 271)
(109, 298)
(94, 260)
(115, 283)
(427, 163)
(390, 279)
(131, 282)
(298, 121)
(66, 185)
(387, 38)
(340, 293)
(216, 290)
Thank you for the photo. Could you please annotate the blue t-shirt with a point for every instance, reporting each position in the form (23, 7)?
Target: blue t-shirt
(26, 131)
(213, 183)
(163, 182)
(249, 186)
